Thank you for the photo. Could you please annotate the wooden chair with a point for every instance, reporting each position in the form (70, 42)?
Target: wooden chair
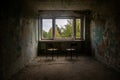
(50, 49)
(71, 49)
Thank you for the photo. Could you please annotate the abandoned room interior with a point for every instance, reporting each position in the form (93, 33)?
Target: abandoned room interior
(59, 40)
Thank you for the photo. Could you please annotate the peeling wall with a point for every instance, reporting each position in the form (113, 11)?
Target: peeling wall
(29, 42)
(105, 39)
(19, 44)
(18, 38)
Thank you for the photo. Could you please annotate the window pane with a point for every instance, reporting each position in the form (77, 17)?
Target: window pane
(47, 29)
(64, 28)
(78, 28)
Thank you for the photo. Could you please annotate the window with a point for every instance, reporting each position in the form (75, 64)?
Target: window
(47, 29)
(78, 29)
(61, 29)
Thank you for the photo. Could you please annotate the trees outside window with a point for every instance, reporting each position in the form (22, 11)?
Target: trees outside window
(63, 29)
(78, 29)
(47, 29)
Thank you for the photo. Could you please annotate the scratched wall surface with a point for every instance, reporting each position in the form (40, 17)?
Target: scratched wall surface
(19, 44)
(105, 37)
(18, 38)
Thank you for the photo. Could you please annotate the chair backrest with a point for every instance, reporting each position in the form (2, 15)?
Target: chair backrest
(73, 45)
(49, 45)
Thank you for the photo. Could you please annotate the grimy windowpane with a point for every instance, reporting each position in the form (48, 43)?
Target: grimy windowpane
(47, 31)
(63, 28)
(78, 28)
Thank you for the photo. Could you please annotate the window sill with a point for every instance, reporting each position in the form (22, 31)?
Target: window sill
(60, 40)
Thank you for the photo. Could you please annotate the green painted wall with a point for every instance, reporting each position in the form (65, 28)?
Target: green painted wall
(105, 40)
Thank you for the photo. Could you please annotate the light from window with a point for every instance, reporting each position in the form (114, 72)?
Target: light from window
(47, 31)
(63, 28)
(78, 28)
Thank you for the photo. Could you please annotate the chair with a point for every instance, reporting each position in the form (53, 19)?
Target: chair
(71, 49)
(50, 49)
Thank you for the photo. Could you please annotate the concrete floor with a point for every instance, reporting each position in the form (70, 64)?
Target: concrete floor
(61, 68)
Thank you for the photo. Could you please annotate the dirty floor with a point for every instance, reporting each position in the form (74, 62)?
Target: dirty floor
(62, 68)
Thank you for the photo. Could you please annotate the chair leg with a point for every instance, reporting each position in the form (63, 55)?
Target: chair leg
(52, 54)
(46, 54)
(76, 55)
(57, 54)
(66, 54)
(71, 54)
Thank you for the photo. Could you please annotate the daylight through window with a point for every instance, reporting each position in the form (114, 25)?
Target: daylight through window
(61, 29)
(47, 29)
(78, 29)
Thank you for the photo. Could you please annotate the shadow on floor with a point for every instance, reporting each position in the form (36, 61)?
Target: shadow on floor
(62, 68)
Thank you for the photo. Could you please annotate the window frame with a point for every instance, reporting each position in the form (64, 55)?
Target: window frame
(82, 36)
(41, 30)
(81, 29)
(71, 38)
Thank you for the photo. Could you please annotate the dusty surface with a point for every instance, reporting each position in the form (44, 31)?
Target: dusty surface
(61, 68)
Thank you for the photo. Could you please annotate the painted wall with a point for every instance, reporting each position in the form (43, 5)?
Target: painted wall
(18, 38)
(105, 39)
(19, 44)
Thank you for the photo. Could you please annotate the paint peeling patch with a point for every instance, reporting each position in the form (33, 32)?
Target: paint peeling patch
(106, 41)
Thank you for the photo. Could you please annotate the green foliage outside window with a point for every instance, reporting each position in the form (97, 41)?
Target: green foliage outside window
(64, 32)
